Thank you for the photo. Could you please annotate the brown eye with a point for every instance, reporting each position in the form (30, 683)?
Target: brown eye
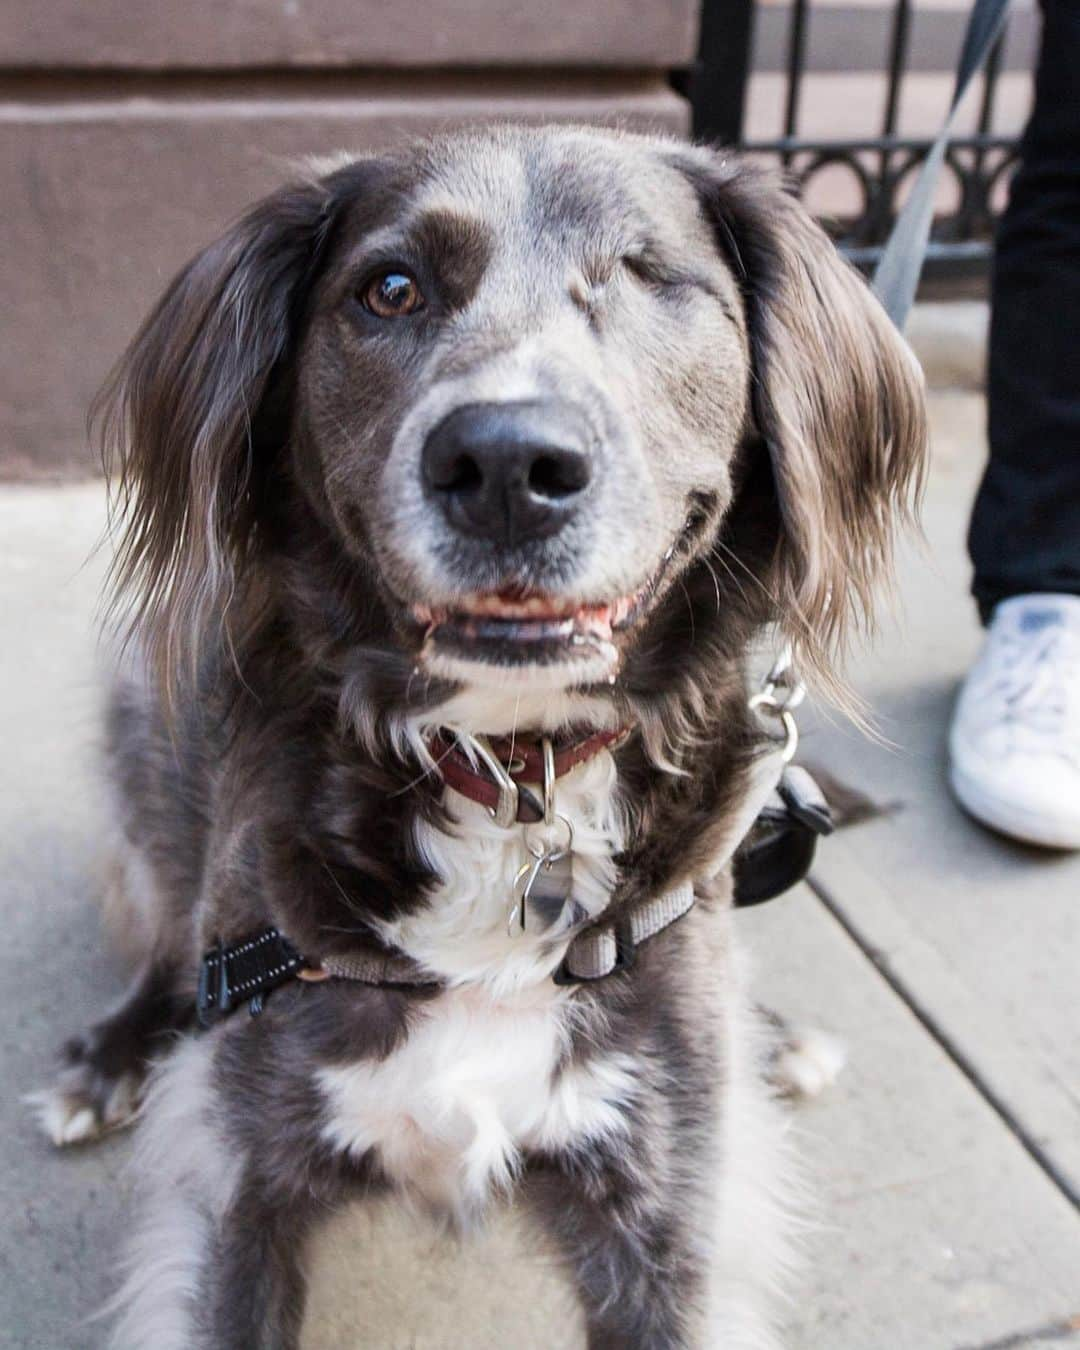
(392, 295)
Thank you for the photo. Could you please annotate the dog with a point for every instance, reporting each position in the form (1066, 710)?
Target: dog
(455, 485)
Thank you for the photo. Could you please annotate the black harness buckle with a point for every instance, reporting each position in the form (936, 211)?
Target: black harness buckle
(781, 847)
(244, 972)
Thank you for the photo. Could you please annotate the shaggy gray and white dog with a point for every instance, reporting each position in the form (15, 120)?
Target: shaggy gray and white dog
(512, 433)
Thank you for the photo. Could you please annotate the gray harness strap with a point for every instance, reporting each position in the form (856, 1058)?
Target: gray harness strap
(609, 945)
(370, 967)
(595, 952)
(606, 947)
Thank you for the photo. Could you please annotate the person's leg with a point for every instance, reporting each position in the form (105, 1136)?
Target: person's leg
(1025, 529)
(1015, 737)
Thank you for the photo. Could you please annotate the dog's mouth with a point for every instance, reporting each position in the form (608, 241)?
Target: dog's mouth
(503, 628)
(515, 626)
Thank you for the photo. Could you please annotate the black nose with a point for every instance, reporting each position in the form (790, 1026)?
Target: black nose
(508, 472)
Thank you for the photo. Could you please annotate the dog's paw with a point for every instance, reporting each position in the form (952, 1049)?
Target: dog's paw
(807, 1062)
(86, 1100)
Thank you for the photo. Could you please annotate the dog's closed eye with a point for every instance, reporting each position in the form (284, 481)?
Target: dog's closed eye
(646, 265)
(665, 277)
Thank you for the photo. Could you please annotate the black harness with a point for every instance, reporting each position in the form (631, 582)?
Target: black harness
(775, 856)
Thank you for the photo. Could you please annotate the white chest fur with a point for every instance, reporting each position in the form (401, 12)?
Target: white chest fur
(479, 1079)
(462, 935)
(483, 1073)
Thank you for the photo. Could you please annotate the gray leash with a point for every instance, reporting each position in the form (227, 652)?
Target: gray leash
(802, 812)
(896, 276)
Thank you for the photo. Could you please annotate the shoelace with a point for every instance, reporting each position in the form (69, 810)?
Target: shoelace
(1035, 686)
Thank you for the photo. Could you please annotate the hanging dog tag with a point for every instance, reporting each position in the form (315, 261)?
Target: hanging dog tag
(542, 885)
(537, 881)
(551, 888)
(529, 882)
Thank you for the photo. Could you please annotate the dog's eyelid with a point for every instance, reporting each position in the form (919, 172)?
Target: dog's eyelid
(643, 254)
(376, 265)
(657, 271)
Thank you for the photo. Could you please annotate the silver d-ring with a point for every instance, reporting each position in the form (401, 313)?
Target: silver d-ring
(767, 702)
(791, 730)
(548, 751)
(546, 849)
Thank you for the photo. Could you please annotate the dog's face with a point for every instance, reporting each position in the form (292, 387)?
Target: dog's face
(517, 375)
(522, 383)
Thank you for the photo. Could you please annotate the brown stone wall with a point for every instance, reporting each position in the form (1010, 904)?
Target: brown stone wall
(130, 133)
(414, 34)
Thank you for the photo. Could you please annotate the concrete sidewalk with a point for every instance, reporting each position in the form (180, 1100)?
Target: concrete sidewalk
(947, 1160)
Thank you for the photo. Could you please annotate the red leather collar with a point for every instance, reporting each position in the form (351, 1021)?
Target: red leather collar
(523, 761)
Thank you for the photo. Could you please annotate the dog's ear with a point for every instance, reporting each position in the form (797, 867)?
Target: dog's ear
(178, 420)
(836, 396)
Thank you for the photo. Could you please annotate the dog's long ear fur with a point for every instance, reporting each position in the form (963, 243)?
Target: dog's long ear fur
(177, 420)
(837, 397)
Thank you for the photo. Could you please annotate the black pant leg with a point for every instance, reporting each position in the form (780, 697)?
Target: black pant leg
(1025, 528)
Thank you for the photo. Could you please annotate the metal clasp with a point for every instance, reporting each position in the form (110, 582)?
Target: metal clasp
(548, 751)
(506, 812)
(213, 998)
(781, 693)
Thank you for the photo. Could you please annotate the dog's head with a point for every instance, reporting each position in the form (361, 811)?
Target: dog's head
(518, 381)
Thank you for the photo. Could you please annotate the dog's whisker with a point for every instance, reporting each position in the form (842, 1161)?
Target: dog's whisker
(350, 903)
(733, 578)
(422, 776)
(719, 545)
(690, 611)
(716, 583)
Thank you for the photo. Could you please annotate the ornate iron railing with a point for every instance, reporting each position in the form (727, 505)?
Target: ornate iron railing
(881, 165)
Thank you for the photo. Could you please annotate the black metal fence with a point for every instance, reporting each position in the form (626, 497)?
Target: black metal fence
(881, 164)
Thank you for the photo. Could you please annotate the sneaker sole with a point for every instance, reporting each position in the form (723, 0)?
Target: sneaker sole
(1032, 827)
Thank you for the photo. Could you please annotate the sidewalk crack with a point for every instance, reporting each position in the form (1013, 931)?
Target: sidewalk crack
(949, 1045)
(1055, 1331)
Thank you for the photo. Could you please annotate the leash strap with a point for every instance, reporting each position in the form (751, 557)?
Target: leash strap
(896, 277)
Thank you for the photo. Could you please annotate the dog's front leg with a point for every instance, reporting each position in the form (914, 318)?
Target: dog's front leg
(254, 1299)
(103, 1070)
(633, 1237)
(232, 1181)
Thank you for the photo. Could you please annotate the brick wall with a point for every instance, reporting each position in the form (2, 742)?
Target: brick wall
(133, 130)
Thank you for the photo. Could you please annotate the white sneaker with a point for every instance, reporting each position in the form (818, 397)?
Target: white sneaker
(1014, 744)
